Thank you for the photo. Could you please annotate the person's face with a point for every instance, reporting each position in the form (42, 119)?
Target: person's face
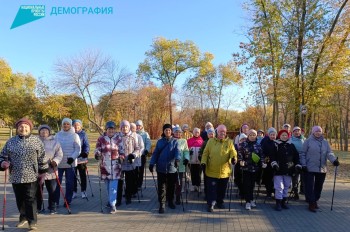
(260, 134)
(196, 133)
(125, 129)
(222, 133)
(272, 136)
(77, 127)
(210, 135)
(110, 131)
(44, 133)
(245, 129)
(318, 133)
(177, 134)
(284, 136)
(242, 140)
(133, 128)
(66, 126)
(185, 129)
(252, 137)
(138, 127)
(167, 132)
(23, 129)
(297, 133)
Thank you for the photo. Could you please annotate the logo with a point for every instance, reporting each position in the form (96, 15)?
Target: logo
(27, 14)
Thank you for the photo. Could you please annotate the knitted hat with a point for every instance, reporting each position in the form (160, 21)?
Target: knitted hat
(281, 132)
(252, 131)
(271, 130)
(316, 128)
(185, 126)
(139, 123)
(244, 124)
(44, 126)
(177, 129)
(68, 120)
(211, 130)
(24, 121)
(286, 125)
(77, 120)
(167, 125)
(296, 128)
(262, 131)
(242, 136)
(110, 124)
(124, 123)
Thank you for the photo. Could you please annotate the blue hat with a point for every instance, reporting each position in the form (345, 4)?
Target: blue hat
(67, 120)
(110, 124)
(77, 120)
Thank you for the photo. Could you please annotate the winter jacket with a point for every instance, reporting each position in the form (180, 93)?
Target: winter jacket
(108, 149)
(204, 135)
(315, 153)
(286, 156)
(26, 156)
(185, 154)
(217, 157)
(268, 147)
(53, 151)
(70, 144)
(194, 144)
(85, 146)
(165, 154)
(298, 142)
(129, 145)
(142, 148)
(245, 153)
(146, 139)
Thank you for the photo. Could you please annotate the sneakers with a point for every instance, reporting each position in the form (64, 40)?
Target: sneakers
(248, 206)
(253, 204)
(161, 209)
(198, 188)
(74, 195)
(21, 223)
(52, 211)
(33, 226)
(113, 210)
(210, 208)
(194, 188)
(83, 195)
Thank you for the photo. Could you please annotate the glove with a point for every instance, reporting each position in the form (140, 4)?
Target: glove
(263, 165)
(98, 156)
(41, 178)
(336, 163)
(191, 152)
(145, 153)
(233, 161)
(242, 163)
(298, 167)
(304, 168)
(84, 155)
(53, 164)
(5, 164)
(204, 166)
(200, 157)
(151, 166)
(185, 162)
(176, 164)
(275, 165)
(131, 157)
(70, 160)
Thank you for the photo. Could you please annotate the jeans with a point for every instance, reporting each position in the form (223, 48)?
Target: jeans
(50, 187)
(216, 189)
(112, 189)
(313, 185)
(25, 194)
(69, 176)
(82, 174)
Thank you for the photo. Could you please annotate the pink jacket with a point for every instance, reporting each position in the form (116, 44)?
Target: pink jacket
(194, 144)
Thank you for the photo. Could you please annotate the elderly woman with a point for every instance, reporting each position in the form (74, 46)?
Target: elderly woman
(53, 157)
(24, 156)
(70, 144)
(313, 157)
(194, 144)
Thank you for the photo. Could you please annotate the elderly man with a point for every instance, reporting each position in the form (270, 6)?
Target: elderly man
(218, 155)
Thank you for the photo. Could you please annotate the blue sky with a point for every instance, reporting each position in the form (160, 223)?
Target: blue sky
(215, 26)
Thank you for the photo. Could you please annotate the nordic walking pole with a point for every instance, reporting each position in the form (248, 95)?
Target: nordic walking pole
(88, 176)
(335, 177)
(229, 204)
(4, 203)
(145, 171)
(99, 184)
(42, 197)
(155, 183)
(75, 175)
(185, 187)
(64, 197)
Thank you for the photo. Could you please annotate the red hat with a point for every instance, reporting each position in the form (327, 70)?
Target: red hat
(25, 121)
(281, 132)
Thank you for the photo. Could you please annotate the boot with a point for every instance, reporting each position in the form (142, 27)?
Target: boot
(284, 203)
(161, 208)
(178, 202)
(312, 207)
(316, 205)
(278, 205)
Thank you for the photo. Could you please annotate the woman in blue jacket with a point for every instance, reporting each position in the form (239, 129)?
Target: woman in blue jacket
(166, 157)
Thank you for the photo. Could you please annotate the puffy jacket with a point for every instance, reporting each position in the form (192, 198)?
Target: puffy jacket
(286, 156)
(70, 144)
(53, 151)
(146, 139)
(194, 144)
(245, 153)
(185, 154)
(217, 157)
(26, 156)
(142, 148)
(298, 142)
(315, 153)
(85, 146)
(108, 149)
(165, 154)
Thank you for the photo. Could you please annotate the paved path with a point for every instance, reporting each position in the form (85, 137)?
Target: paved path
(143, 216)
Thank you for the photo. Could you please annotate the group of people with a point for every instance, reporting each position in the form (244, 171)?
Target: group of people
(279, 159)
